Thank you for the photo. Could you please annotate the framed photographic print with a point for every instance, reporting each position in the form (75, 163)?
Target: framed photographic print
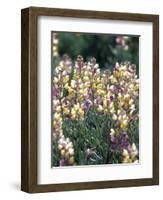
(90, 99)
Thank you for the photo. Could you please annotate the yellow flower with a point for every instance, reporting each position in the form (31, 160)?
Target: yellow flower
(132, 107)
(97, 80)
(112, 110)
(87, 84)
(130, 101)
(71, 92)
(58, 108)
(108, 86)
(63, 152)
(111, 104)
(115, 73)
(76, 106)
(114, 117)
(112, 131)
(100, 86)
(113, 79)
(100, 108)
(105, 103)
(124, 116)
(71, 151)
(134, 147)
(120, 117)
(81, 112)
(126, 96)
(73, 113)
(119, 96)
(54, 123)
(77, 111)
(65, 110)
(73, 83)
(98, 71)
(81, 91)
(55, 80)
(134, 151)
(86, 73)
(60, 146)
(71, 160)
(122, 74)
(136, 86)
(131, 86)
(125, 153)
(101, 92)
(93, 85)
(66, 86)
(119, 111)
(102, 80)
(124, 124)
(65, 79)
(86, 78)
(126, 105)
(57, 116)
(126, 74)
(81, 85)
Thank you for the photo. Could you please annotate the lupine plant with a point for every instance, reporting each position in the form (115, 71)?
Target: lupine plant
(95, 113)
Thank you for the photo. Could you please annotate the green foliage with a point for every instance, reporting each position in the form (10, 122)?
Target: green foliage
(101, 46)
(90, 133)
(55, 155)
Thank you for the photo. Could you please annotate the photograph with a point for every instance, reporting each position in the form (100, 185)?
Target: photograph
(94, 99)
(89, 99)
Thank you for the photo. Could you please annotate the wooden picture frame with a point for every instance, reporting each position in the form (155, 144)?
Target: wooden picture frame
(29, 87)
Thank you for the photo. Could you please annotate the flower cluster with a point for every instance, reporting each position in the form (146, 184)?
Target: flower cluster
(126, 85)
(60, 81)
(84, 88)
(66, 151)
(122, 42)
(131, 154)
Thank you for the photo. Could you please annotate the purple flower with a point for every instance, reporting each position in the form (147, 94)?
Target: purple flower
(114, 142)
(124, 140)
(116, 66)
(86, 105)
(111, 98)
(99, 100)
(55, 90)
(112, 88)
(62, 162)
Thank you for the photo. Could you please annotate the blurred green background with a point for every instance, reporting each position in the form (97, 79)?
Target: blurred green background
(107, 49)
